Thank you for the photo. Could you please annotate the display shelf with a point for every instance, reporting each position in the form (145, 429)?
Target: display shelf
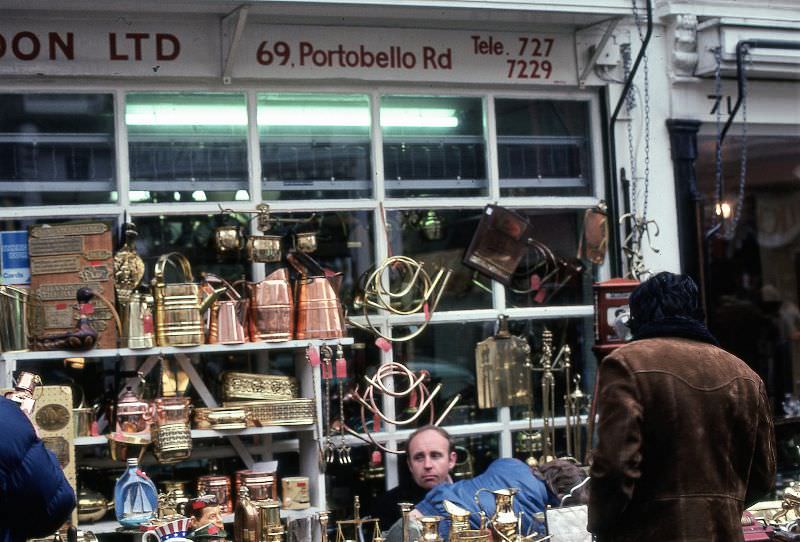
(214, 433)
(112, 525)
(170, 350)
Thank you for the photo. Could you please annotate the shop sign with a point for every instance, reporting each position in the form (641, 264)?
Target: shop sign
(121, 47)
(128, 46)
(460, 56)
(14, 257)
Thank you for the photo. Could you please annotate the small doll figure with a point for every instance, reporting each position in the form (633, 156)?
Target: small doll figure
(206, 517)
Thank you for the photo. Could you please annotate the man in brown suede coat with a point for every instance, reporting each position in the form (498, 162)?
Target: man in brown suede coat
(685, 435)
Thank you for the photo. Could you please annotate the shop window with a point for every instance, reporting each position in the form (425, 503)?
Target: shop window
(314, 146)
(345, 244)
(56, 149)
(543, 147)
(187, 147)
(575, 333)
(192, 236)
(447, 353)
(433, 146)
(752, 289)
(550, 273)
(438, 238)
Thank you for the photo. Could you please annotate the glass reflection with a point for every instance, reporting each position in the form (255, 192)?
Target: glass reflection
(543, 147)
(187, 147)
(433, 145)
(555, 278)
(438, 238)
(447, 353)
(314, 146)
(56, 149)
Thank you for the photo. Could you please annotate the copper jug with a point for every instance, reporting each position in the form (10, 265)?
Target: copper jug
(228, 317)
(272, 308)
(319, 313)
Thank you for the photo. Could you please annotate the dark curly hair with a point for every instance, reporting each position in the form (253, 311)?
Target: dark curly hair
(663, 296)
(561, 475)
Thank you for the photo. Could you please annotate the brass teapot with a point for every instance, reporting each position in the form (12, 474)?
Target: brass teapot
(92, 506)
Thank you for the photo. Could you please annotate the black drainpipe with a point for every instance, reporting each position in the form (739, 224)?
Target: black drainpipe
(741, 48)
(615, 241)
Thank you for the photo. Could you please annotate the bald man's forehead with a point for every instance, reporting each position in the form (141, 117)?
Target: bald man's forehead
(428, 439)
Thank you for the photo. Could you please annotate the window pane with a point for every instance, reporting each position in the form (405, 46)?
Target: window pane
(345, 244)
(433, 146)
(192, 236)
(543, 147)
(187, 147)
(314, 146)
(556, 277)
(438, 238)
(56, 149)
(447, 352)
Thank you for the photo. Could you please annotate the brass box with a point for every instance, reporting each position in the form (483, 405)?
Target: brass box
(248, 386)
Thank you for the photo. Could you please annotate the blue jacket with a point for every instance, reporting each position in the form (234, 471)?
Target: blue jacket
(35, 497)
(533, 496)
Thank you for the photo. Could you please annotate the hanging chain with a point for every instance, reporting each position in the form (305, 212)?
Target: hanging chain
(737, 210)
(640, 226)
(646, 106)
(718, 126)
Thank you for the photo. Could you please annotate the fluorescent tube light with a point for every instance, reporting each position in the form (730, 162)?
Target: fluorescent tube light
(286, 115)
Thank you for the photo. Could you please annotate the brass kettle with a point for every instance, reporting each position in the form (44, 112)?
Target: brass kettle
(92, 506)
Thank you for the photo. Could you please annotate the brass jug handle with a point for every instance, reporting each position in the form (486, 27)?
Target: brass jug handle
(175, 258)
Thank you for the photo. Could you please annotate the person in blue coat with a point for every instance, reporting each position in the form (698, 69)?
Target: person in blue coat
(35, 496)
(532, 497)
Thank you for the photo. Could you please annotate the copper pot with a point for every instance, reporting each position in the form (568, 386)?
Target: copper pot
(260, 485)
(219, 486)
(173, 410)
(272, 308)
